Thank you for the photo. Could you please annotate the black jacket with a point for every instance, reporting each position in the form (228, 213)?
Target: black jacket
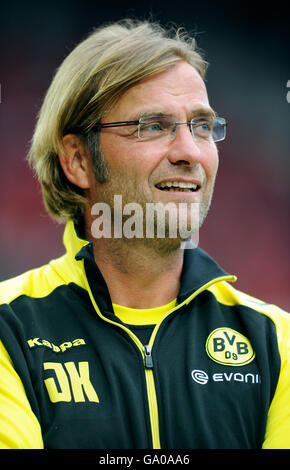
(213, 373)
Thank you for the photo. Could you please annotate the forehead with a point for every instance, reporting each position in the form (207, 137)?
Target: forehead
(179, 89)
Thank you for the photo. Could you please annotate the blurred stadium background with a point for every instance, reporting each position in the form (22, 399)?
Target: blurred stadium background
(248, 48)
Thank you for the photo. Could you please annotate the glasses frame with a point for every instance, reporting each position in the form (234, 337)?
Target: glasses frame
(104, 125)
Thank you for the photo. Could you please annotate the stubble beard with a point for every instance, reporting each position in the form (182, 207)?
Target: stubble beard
(160, 246)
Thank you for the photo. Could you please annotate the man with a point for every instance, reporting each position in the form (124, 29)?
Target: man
(135, 338)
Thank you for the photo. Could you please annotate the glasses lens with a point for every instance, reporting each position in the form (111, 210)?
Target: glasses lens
(219, 129)
(155, 127)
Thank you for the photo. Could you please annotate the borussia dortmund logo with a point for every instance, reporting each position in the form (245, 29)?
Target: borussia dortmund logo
(229, 347)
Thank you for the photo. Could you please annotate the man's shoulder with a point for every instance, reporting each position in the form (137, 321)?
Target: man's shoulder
(36, 282)
(227, 294)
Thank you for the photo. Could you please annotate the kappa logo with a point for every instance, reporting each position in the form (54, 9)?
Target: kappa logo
(61, 348)
(229, 347)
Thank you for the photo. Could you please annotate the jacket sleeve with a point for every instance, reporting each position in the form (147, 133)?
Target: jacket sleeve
(19, 427)
(278, 424)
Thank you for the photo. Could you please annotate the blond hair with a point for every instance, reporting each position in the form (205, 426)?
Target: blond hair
(86, 85)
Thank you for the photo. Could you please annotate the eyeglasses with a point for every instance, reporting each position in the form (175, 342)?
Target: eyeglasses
(158, 127)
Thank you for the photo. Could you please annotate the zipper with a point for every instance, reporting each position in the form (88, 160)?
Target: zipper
(146, 350)
(148, 357)
(148, 367)
(152, 398)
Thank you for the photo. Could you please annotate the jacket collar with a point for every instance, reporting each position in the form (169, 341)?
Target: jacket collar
(198, 267)
(72, 240)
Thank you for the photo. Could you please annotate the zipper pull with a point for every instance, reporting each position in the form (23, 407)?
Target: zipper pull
(148, 357)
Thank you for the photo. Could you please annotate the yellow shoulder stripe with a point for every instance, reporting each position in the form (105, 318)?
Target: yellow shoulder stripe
(228, 295)
(40, 282)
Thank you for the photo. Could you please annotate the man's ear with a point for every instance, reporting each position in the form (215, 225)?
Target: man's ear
(75, 162)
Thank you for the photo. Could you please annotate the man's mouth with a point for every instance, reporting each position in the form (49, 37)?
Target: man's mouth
(178, 186)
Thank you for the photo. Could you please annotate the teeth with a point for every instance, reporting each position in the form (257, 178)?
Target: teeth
(177, 184)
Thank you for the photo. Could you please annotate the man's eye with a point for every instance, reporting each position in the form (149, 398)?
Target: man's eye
(203, 127)
(154, 126)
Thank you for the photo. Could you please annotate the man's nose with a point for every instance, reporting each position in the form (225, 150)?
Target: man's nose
(184, 149)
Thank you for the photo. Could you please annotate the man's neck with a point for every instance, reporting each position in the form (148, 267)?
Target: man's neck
(137, 275)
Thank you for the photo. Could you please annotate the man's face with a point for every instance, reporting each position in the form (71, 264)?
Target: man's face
(137, 167)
